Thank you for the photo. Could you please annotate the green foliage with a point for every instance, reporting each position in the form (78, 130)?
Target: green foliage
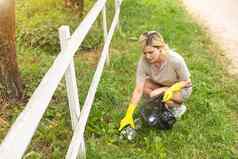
(38, 23)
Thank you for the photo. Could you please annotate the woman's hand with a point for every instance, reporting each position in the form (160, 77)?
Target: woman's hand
(176, 88)
(128, 119)
(168, 95)
(186, 84)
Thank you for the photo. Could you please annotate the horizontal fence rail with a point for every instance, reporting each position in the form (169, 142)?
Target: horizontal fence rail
(21, 132)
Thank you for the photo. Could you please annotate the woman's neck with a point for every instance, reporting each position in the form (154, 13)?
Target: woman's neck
(160, 61)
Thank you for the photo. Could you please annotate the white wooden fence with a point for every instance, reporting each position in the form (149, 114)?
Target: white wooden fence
(20, 134)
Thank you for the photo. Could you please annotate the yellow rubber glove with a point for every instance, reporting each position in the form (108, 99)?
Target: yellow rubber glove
(168, 95)
(128, 119)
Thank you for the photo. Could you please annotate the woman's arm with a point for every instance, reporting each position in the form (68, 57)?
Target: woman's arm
(186, 83)
(161, 90)
(128, 119)
(158, 91)
(137, 93)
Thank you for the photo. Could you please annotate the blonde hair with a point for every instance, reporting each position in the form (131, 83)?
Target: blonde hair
(154, 39)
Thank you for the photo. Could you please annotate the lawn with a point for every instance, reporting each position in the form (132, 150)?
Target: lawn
(208, 129)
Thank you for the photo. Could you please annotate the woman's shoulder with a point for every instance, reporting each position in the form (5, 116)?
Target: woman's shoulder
(143, 61)
(174, 57)
(143, 64)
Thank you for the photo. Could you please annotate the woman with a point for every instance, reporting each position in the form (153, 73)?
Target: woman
(160, 70)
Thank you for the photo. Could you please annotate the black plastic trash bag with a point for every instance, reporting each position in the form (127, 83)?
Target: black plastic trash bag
(155, 114)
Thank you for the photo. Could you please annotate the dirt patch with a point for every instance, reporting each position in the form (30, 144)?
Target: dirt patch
(91, 57)
(219, 18)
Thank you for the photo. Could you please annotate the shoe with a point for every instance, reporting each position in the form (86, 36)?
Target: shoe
(179, 111)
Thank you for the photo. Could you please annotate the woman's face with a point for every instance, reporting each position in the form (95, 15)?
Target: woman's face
(152, 54)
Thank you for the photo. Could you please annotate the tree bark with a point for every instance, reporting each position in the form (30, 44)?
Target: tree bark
(67, 3)
(10, 81)
(81, 6)
(76, 4)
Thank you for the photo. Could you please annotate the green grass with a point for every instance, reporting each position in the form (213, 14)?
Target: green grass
(208, 129)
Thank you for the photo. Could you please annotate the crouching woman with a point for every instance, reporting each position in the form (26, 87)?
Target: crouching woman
(159, 70)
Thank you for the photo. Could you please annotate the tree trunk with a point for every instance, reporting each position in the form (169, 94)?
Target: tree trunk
(67, 3)
(81, 6)
(10, 82)
(76, 4)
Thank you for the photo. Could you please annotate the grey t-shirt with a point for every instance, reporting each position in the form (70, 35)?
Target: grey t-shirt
(173, 70)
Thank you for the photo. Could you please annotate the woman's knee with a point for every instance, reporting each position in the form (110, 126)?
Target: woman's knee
(146, 88)
(178, 97)
(171, 104)
(147, 91)
(149, 86)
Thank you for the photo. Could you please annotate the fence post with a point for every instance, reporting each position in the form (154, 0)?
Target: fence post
(104, 18)
(72, 91)
(82, 150)
(71, 85)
